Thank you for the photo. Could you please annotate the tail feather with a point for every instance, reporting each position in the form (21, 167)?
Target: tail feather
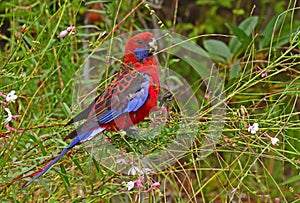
(71, 135)
(54, 161)
(82, 137)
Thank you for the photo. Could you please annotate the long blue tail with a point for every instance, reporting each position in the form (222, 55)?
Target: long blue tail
(84, 133)
(54, 161)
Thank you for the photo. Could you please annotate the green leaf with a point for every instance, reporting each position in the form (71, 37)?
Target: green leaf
(249, 24)
(272, 26)
(66, 179)
(241, 35)
(291, 180)
(66, 109)
(234, 70)
(242, 40)
(244, 29)
(218, 50)
(191, 53)
(75, 161)
(217, 58)
(188, 45)
(96, 164)
(97, 11)
(97, 1)
(284, 39)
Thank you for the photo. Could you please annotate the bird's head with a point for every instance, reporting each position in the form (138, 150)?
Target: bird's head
(141, 46)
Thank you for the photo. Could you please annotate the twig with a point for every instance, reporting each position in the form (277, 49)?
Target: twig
(4, 134)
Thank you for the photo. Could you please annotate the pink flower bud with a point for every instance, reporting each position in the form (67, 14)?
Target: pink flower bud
(155, 185)
(277, 200)
(63, 33)
(207, 95)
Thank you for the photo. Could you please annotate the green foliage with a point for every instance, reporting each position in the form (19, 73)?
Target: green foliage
(218, 50)
(257, 56)
(242, 40)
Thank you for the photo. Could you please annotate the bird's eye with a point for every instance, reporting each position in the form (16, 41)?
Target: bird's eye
(139, 41)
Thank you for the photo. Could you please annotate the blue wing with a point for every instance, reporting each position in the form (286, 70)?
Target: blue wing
(128, 100)
(127, 93)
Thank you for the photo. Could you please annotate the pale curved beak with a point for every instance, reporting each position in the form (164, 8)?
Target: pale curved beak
(152, 46)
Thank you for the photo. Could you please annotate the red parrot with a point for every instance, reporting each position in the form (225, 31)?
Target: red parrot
(126, 101)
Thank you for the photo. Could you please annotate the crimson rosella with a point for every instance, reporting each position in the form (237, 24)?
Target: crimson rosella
(126, 101)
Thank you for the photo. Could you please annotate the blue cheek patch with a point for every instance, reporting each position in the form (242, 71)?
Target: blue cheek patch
(141, 53)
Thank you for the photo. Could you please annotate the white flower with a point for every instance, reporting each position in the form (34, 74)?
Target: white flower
(274, 140)
(134, 170)
(11, 97)
(147, 170)
(129, 185)
(9, 115)
(254, 128)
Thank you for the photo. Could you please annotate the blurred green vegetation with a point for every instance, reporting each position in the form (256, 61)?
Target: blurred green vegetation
(254, 45)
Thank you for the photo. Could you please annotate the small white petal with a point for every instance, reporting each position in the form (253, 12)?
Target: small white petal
(131, 171)
(7, 120)
(11, 97)
(9, 115)
(147, 170)
(134, 170)
(138, 170)
(274, 140)
(8, 111)
(130, 185)
(255, 126)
